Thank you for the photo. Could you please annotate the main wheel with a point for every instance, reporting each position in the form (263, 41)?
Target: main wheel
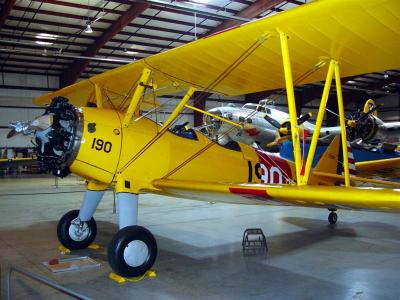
(332, 218)
(76, 235)
(132, 251)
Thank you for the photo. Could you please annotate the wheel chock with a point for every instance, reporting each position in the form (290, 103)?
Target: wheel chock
(63, 250)
(94, 246)
(116, 278)
(119, 279)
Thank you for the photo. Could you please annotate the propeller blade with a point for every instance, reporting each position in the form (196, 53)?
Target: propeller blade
(304, 118)
(11, 133)
(273, 122)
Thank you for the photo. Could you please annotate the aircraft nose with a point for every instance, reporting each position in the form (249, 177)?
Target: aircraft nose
(58, 135)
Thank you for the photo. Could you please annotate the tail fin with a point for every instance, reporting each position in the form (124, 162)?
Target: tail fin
(329, 160)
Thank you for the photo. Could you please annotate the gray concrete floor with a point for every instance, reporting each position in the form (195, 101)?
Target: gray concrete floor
(200, 255)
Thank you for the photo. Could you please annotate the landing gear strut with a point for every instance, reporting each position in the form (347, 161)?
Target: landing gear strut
(332, 218)
(133, 250)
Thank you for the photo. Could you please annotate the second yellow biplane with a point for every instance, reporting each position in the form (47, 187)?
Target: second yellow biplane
(111, 145)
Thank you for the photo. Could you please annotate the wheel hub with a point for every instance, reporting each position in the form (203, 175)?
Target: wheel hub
(136, 253)
(79, 232)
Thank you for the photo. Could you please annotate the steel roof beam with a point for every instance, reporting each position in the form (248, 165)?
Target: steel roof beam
(72, 26)
(252, 11)
(5, 11)
(105, 21)
(73, 73)
(88, 37)
(192, 9)
(115, 11)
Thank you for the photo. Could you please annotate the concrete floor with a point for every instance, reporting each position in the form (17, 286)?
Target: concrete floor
(200, 255)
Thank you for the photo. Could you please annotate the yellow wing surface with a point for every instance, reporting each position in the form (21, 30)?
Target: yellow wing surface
(374, 165)
(360, 198)
(363, 35)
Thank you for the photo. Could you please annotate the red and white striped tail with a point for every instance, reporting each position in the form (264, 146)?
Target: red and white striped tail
(352, 165)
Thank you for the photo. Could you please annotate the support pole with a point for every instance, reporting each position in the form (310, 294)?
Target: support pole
(134, 104)
(318, 122)
(178, 109)
(342, 121)
(291, 103)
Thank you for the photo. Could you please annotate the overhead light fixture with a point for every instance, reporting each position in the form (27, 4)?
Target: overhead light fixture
(43, 43)
(47, 36)
(88, 29)
(130, 52)
(351, 81)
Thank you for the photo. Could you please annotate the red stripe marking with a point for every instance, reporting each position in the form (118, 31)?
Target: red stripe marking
(252, 193)
(351, 161)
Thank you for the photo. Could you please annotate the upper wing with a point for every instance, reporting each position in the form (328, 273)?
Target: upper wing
(310, 196)
(362, 34)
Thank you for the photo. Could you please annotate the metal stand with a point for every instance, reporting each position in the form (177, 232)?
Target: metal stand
(254, 241)
(40, 279)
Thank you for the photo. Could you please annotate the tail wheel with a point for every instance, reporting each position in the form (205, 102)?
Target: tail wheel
(332, 218)
(75, 234)
(132, 251)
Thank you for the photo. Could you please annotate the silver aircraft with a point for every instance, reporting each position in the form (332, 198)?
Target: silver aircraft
(265, 126)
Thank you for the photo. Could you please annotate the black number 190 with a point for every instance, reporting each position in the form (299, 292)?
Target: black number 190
(99, 145)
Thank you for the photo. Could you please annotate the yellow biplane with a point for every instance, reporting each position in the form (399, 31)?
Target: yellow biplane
(113, 145)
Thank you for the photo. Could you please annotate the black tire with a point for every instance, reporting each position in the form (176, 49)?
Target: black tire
(120, 242)
(332, 218)
(64, 236)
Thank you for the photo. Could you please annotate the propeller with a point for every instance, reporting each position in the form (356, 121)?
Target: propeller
(29, 127)
(284, 128)
(363, 123)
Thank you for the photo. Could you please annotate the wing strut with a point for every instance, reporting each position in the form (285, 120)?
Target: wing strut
(332, 70)
(99, 96)
(163, 129)
(178, 109)
(134, 104)
(292, 104)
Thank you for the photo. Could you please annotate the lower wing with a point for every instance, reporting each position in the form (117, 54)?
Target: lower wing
(331, 197)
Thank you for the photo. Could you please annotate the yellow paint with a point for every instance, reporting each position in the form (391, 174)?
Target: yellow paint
(342, 121)
(178, 108)
(63, 250)
(98, 165)
(318, 122)
(357, 179)
(366, 107)
(94, 246)
(96, 186)
(291, 103)
(99, 96)
(361, 34)
(134, 104)
(119, 279)
(378, 164)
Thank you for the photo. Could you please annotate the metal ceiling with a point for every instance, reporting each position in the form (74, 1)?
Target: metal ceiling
(47, 36)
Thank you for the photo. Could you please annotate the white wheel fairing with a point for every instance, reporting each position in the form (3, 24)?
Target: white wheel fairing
(78, 234)
(136, 253)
